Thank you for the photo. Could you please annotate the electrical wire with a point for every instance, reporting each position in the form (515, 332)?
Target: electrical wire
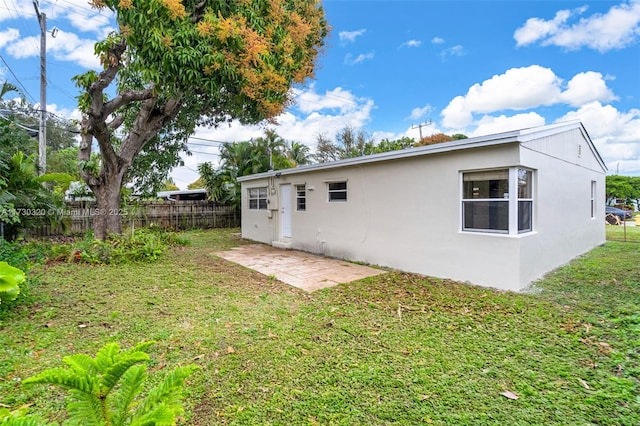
(26, 92)
(19, 125)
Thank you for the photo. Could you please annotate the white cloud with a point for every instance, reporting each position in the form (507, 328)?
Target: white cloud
(420, 112)
(456, 50)
(488, 125)
(69, 47)
(437, 40)
(616, 134)
(616, 29)
(24, 47)
(517, 88)
(8, 36)
(350, 36)
(313, 114)
(585, 87)
(411, 43)
(524, 88)
(97, 23)
(536, 28)
(349, 59)
(308, 101)
(19, 9)
(65, 47)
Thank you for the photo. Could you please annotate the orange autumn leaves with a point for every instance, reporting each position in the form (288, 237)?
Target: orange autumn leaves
(264, 47)
(266, 63)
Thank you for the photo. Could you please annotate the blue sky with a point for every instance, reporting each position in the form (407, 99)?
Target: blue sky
(472, 67)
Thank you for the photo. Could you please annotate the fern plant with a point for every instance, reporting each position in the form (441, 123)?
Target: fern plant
(105, 390)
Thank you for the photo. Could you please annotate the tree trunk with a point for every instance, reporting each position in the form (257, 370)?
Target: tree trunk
(107, 216)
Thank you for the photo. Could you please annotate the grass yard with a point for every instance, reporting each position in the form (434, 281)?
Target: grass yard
(623, 233)
(395, 349)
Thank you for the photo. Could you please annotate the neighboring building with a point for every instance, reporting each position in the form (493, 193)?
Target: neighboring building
(498, 211)
(183, 195)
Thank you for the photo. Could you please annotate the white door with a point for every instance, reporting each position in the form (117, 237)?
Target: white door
(285, 211)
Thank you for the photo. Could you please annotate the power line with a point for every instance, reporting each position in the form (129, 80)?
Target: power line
(202, 144)
(30, 131)
(76, 8)
(205, 153)
(17, 79)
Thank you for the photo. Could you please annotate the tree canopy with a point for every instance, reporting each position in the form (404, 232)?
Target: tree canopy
(176, 65)
(623, 187)
(237, 159)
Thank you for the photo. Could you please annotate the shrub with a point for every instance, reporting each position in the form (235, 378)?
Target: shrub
(106, 390)
(144, 244)
(10, 280)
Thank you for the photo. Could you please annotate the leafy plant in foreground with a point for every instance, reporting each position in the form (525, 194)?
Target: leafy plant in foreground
(105, 390)
(10, 280)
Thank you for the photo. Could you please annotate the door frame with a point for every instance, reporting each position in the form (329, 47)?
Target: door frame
(285, 211)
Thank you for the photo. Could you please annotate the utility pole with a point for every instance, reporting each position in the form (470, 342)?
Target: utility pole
(42, 132)
(420, 126)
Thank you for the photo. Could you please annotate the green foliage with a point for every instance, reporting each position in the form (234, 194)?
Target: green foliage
(10, 280)
(24, 201)
(14, 254)
(144, 244)
(237, 159)
(19, 417)
(625, 187)
(150, 169)
(64, 161)
(173, 66)
(355, 143)
(106, 390)
(196, 184)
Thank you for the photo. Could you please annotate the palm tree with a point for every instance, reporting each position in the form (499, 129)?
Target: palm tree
(6, 88)
(298, 153)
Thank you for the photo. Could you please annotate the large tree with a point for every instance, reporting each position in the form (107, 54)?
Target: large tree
(622, 187)
(175, 65)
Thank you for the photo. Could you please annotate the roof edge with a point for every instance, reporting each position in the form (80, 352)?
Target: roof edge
(512, 136)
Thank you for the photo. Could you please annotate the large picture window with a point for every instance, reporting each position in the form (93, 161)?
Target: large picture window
(487, 203)
(257, 198)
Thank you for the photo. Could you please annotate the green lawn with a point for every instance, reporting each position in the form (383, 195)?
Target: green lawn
(623, 233)
(395, 349)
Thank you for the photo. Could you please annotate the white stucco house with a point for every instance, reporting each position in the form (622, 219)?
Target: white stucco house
(498, 211)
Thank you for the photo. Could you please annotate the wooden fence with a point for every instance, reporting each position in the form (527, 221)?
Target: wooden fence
(76, 218)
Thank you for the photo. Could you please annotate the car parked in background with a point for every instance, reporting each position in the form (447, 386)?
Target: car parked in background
(620, 213)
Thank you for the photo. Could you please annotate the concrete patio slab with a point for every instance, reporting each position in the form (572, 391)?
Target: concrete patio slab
(306, 271)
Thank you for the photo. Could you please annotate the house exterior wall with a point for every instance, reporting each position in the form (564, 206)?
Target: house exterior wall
(406, 213)
(564, 221)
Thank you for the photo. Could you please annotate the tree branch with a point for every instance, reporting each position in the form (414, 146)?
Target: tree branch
(198, 12)
(125, 98)
(116, 122)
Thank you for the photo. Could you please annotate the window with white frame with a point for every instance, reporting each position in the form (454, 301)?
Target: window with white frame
(301, 198)
(337, 191)
(525, 200)
(487, 205)
(258, 198)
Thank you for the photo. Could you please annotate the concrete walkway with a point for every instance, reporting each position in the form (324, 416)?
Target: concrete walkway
(306, 271)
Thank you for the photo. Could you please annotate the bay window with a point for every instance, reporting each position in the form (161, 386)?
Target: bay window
(487, 204)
